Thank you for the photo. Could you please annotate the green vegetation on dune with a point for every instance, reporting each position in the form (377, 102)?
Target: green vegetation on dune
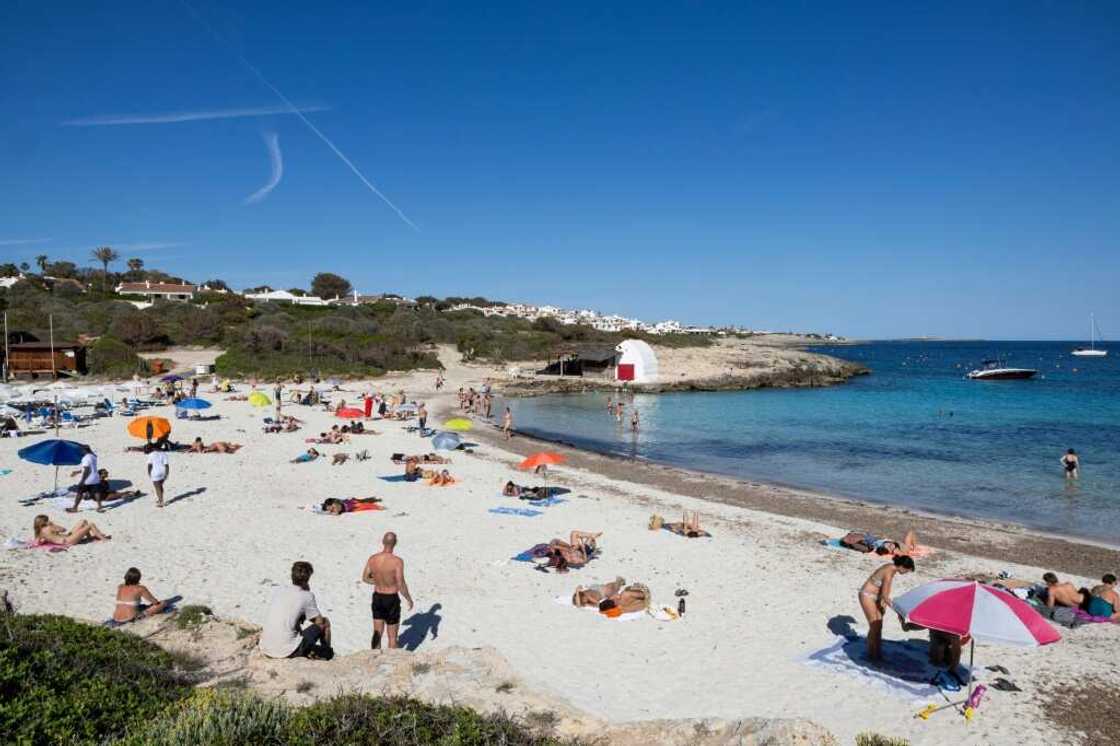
(278, 340)
(62, 681)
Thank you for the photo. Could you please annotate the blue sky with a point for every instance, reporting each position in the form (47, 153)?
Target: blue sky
(873, 170)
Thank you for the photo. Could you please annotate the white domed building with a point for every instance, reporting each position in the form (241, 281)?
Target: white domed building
(637, 362)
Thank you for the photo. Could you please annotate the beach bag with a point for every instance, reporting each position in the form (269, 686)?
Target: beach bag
(656, 522)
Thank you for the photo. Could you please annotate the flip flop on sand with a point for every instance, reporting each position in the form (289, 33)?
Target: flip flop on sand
(1003, 685)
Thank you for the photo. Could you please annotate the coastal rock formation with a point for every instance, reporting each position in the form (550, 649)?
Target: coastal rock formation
(478, 678)
(727, 365)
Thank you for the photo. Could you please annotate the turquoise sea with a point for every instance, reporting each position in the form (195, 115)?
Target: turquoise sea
(914, 433)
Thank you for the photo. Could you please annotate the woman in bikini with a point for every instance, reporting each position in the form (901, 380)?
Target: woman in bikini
(217, 446)
(335, 506)
(689, 525)
(135, 600)
(614, 599)
(875, 597)
(47, 532)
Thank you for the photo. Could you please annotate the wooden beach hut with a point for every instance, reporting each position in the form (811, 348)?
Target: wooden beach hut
(36, 358)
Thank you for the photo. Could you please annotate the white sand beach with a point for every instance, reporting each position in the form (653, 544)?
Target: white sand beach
(768, 607)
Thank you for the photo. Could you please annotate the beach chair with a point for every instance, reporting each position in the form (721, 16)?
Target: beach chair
(69, 419)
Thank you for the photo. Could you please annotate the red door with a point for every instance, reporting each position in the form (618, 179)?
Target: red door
(626, 371)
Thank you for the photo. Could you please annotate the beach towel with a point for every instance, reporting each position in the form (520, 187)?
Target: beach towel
(5, 472)
(13, 543)
(395, 478)
(904, 673)
(567, 601)
(65, 503)
(523, 512)
(919, 550)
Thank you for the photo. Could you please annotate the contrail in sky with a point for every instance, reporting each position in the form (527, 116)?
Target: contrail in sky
(295, 110)
(189, 116)
(272, 142)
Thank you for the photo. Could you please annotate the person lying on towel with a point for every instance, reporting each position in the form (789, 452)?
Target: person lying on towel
(335, 506)
(524, 493)
(614, 598)
(689, 526)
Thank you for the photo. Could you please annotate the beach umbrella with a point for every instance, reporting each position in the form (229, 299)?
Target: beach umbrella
(349, 413)
(966, 607)
(193, 404)
(459, 424)
(257, 399)
(446, 441)
(541, 458)
(171, 378)
(55, 452)
(149, 428)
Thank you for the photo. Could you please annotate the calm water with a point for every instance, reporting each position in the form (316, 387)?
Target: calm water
(914, 433)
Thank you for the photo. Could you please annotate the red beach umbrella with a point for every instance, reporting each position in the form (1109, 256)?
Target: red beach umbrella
(541, 458)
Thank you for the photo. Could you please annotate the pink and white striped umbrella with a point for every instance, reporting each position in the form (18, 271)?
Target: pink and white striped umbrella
(965, 607)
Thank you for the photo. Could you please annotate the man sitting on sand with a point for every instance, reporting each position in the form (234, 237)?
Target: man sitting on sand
(385, 572)
(1061, 594)
(283, 634)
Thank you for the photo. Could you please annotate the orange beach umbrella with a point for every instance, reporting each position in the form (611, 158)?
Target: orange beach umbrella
(149, 428)
(349, 413)
(541, 458)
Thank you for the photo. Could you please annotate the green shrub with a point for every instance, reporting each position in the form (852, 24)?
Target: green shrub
(192, 615)
(111, 357)
(874, 739)
(215, 717)
(353, 720)
(66, 682)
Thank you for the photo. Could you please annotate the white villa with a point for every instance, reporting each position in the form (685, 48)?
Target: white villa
(283, 296)
(158, 291)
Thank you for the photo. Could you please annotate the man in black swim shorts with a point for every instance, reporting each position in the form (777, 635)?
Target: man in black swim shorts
(385, 572)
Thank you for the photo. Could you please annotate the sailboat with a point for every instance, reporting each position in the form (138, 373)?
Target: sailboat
(1092, 350)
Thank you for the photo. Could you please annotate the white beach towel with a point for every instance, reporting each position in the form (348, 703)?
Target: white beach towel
(67, 502)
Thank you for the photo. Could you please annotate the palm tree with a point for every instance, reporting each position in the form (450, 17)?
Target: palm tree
(41, 260)
(106, 256)
(134, 266)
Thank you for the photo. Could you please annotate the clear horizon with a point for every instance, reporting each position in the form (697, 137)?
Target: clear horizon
(882, 173)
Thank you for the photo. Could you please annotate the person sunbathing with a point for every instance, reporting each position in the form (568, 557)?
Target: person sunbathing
(47, 532)
(441, 479)
(134, 600)
(108, 494)
(524, 493)
(216, 446)
(335, 506)
(862, 541)
(412, 469)
(1062, 594)
(613, 599)
(309, 455)
(1104, 600)
(574, 553)
(689, 525)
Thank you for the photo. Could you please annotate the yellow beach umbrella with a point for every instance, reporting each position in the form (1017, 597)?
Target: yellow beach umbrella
(149, 428)
(461, 424)
(257, 399)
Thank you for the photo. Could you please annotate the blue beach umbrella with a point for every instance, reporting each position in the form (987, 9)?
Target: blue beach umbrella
(54, 453)
(171, 378)
(446, 441)
(193, 404)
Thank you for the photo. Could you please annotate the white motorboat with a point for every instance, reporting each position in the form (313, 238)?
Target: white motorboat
(1091, 350)
(994, 370)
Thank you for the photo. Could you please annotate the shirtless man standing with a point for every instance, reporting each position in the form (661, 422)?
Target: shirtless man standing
(1061, 594)
(385, 571)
